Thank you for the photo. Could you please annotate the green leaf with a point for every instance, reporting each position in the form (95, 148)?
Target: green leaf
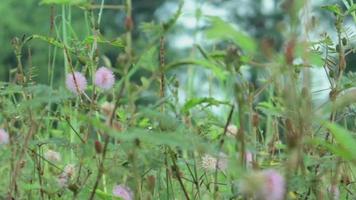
(269, 109)
(218, 72)
(220, 29)
(333, 8)
(172, 21)
(50, 40)
(315, 59)
(197, 101)
(345, 140)
(105, 196)
(351, 9)
(180, 137)
(148, 59)
(61, 2)
(100, 39)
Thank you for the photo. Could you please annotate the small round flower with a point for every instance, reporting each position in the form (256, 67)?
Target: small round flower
(274, 185)
(231, 130)
(104, 78)
(333, 192)
(209, 162)
(4, 137)
(62, 181)
(264, 185)
(123, 191)
(53, 156)
(76, 82)
(222, 161)
(249, 159)
(68, 170)
(107, 108)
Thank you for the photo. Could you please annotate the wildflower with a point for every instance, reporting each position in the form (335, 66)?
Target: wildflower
(69, 170)
(123, 192)
(274, 187)
(76, 82)
(210, 163)
(4, 137)
(104, 78)
(65, 176)
(333, 192)
(107, 108)
(52, 156)
(222, 162)
(249, 159)
(98, 147)
(62, 181)
(264, 185)
(231, 130)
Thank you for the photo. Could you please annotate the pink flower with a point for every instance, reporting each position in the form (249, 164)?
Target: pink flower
(66, 175)
(52, 156)
(274, 185)
(62, 181)
(4, 137)
(249, 159)
(104, 78)
(69, 170)
(333, 192)
(264, 185)
(123, 191)
(76, 82)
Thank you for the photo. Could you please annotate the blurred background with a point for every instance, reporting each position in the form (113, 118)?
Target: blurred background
(264, 20)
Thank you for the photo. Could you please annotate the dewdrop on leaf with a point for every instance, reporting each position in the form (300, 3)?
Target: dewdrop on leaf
(104, 78)
(76, 82)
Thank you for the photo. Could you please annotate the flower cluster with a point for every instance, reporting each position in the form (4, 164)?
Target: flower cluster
(77, 83)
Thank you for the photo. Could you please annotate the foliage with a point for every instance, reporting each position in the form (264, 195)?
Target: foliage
(233, 139)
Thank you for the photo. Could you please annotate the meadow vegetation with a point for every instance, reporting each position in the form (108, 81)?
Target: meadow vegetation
(136, 124)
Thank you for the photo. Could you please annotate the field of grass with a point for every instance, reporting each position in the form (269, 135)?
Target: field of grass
(234, 119)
